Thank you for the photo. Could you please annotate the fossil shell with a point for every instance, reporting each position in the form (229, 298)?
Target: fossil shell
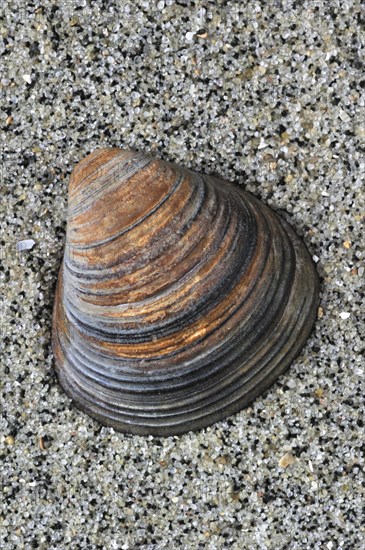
(180, 297)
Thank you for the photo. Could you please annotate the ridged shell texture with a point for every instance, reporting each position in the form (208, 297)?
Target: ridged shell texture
(180, 297)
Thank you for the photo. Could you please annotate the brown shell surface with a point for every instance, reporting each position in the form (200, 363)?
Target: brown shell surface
(180, 298)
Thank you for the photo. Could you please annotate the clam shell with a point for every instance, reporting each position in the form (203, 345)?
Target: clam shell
(180, 298)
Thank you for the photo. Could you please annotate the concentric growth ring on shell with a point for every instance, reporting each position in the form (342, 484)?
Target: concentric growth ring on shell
(180, 297)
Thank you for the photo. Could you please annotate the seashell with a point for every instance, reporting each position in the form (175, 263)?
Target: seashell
(180, 298)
